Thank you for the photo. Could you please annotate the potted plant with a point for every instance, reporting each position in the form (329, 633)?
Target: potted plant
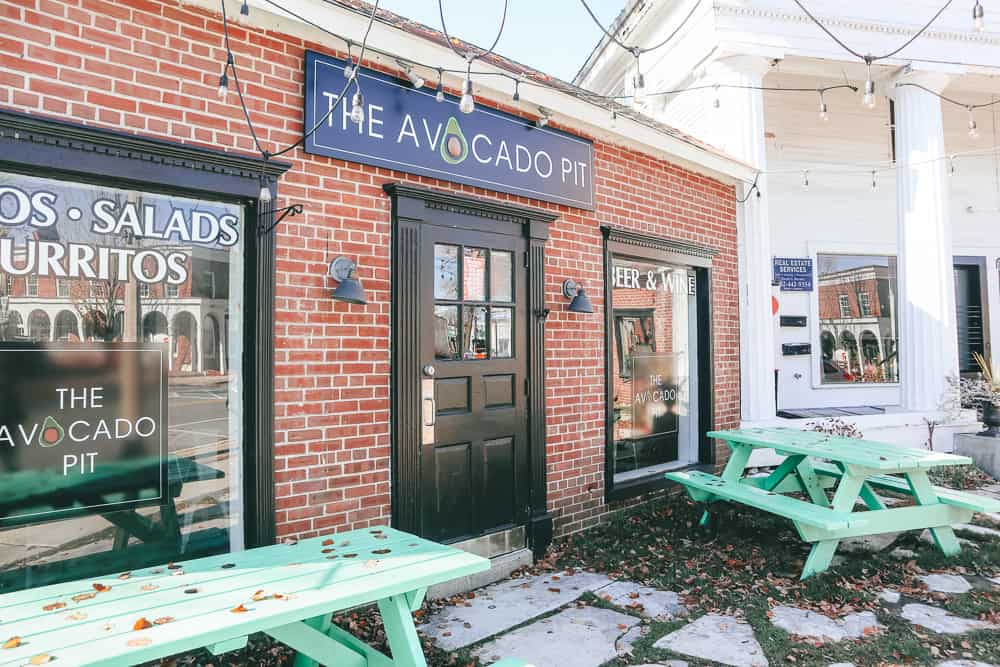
(990, 403)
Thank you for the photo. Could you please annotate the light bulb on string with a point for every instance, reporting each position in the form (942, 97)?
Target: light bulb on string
(716, 103)
(543, 118)
(823, 110)
(349, 67)
(245, 8)
(973, 128)
(439, 94)
(874, 181)
(614, 118)
(223, 86)
(951, 165)
(805, 180)
(358, 107)
(638, 81)
(869, 97)
(516, 97)
(265, 191)
(468, 102)
(416, 80)
(978, 15)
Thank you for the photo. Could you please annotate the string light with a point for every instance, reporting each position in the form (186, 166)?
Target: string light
(973, 129)
(516, 97)
(415, 79)
(223, 90)
(805, 179)
(951, 165)
(468, 102)
(543, 119)
(823, 111)
(869, 97)
(358, 105)
(874, 181)
(716, 103)
(265, 191)
(245, 8)
(978, 14)
(638, 80)
(439, 94)
(349, 67)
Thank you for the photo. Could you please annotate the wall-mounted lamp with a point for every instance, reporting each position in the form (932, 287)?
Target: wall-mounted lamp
(580, 301)
(350, 290)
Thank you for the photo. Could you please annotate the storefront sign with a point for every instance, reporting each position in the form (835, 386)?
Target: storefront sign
(655, 394)
(661, 280)
(793, 274)
(82, 428)
(408, 130)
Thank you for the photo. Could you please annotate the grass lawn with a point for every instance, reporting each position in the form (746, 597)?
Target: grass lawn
(747, 564)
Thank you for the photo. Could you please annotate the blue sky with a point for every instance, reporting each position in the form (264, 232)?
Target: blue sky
(554, 36)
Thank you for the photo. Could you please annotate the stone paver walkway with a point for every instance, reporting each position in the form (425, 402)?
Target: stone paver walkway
(723, 639)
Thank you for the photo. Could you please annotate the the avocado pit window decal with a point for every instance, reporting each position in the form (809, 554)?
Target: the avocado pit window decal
(408, 130)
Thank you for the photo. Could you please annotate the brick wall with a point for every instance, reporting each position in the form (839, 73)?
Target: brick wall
(152, 68)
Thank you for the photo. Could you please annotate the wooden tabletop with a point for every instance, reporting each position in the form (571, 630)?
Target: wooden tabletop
(881, 456)
(210, 600)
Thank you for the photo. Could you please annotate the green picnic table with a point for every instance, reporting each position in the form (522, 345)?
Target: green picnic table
(287, 591)
(815, 463)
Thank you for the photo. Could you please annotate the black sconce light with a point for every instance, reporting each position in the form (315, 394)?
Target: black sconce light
(350, 290)
(580, 301)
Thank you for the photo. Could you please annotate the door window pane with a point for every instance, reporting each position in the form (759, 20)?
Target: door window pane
(165, 483)
(501, 276)
(445, 272)
(474, 332)
(858, 323)
(474, 274)
(446, 332)
(502, 333)
(655, 367)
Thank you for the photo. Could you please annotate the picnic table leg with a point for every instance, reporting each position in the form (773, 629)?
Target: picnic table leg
(821, 554)
(923, 493)
(321, 623)
(401, 633)
(810, 482)
(738, 457)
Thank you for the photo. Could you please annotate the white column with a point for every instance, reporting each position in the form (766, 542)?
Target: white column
(928, 345)
(739, 120)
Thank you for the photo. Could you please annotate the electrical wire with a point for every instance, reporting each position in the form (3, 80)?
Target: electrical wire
(733, 86)
(868, 58)
(635, 50)
(947, 99)
(231, 65)
(469, 56)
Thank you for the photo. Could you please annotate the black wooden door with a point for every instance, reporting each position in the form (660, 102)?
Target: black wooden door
(969, 316)
(473, 341)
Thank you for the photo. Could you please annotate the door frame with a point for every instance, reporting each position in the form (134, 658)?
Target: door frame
(411, 207)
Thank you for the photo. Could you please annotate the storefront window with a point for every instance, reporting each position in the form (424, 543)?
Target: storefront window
(655, 367)
(858, 321)
(121, 402)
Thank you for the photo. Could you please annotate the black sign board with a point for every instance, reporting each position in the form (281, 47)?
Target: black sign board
(82, 429)
(655, 394)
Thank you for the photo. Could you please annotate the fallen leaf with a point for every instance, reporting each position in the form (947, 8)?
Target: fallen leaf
(101, 588)
(40, 659)
(141, 624)
(125, 575)
(13, 642)
(239, 609)
(80, 597)
(54, 606)
(148, 587)
(163, 619)
(260, 595)
(327, 542)
(140, 641)
(76, 616)
(555, 590)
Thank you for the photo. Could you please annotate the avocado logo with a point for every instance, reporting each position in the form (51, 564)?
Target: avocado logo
(52, 433)
(454, 147)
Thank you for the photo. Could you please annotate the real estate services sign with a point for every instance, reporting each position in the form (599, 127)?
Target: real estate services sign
(82, 428)
(409, 130)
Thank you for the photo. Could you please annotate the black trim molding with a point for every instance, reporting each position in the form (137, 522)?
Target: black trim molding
(678, 246)
(410, 207)
(57, 149)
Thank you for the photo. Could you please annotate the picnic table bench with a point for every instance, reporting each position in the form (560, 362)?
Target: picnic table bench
(815, 463)
(287, 591)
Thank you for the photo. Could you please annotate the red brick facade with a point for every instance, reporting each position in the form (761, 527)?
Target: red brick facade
(152, 68)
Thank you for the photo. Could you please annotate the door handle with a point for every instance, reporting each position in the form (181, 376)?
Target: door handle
(429, 408)
(432, 412)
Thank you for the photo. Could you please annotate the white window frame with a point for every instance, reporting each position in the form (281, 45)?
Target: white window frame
(173, 291)
(865, 303)
(31, 284)
(844, 300)
(63, 290)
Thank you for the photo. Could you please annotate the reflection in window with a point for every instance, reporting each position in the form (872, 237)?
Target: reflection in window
(446, 332)
(445, 271)
(501, 276)
(654, 358)
(31, 285)
(501, 333)
(474, 274)
(474, 332)
(857, 318)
